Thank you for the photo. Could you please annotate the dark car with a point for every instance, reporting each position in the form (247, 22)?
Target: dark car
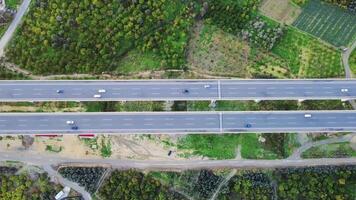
(74, 127)
(59, 91)
(185, 91)
(170, 153)
(248, 125)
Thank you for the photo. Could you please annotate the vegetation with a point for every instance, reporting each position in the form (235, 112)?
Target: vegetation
(337, 150)
(250, 185)
(125, 185)
(9, 75)
(6, 17)
(212, 146)
(231, 15)
(24, 186)
(352, 61)
(307, 57)
(327, 182)
(268, 105)
(300, 2)
(330, 23)
(78, 37)
(8, 170)
(316, 182)
(87, 177)
(105, 148)
(226, 146)
(123, 106)
(342, 3)
(262, 34)
(206, 184)
(53, 148)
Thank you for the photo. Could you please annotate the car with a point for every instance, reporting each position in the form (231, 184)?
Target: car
(102, 91)
(170, 153)
(248, 125)
(74, 128)
(344, 90)
(70, 122)
(307, 115)
(185, 91)
(97, 96)
(207, 86)
(59, 91)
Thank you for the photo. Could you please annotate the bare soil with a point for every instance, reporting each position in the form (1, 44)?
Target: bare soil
(280, 10)
(122, 146)
(216, 53)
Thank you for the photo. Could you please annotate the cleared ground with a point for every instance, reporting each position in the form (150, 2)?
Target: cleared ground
(280, 10)
(217, 53)
(328, 22)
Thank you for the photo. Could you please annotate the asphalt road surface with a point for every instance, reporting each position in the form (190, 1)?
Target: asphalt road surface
(177, 122)
(14, 24)
(155, 90)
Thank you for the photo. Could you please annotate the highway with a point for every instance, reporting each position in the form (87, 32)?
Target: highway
(163, 90)
(177, 122)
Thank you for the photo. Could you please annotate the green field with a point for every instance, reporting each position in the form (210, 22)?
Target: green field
(12, 4)
(337, 150)
(328, 22)
(226, 146)
(307, 57)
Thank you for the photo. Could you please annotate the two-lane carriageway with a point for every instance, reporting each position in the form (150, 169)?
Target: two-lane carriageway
(178, 122)
(169, 90)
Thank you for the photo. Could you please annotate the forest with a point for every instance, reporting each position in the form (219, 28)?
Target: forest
(125, 185)
(326, 182)
(25, 187)
(94, 36)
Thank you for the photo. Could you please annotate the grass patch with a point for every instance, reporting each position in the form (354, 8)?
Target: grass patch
(226, 146)
(352, 61)
(13, 4)
(90, 142)
(268, 105)
(139, 106)
(337, 150)
(328, 22)
(212, 146)
(54, 149)
(105, 150)
(136, 61)
(251, 148)
(307, 57)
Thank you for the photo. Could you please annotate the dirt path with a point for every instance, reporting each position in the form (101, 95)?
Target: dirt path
(65, 182)
(5, 39)
(225, 181)
(298, 152)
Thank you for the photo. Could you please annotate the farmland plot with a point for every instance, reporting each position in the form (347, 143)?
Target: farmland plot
(328, 22)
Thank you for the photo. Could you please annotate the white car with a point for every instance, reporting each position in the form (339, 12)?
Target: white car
(344, 90)
(97, 96)
(207, 86)
(70, 122)
(102, 91)
(307, 115)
